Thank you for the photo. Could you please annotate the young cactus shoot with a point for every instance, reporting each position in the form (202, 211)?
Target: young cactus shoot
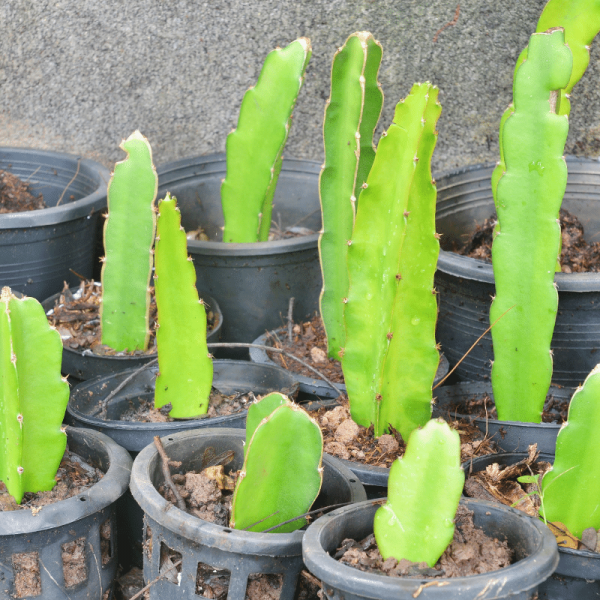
(128, 239)
(528, 198)
(255, 148)
(571, 489)
(351, 115)
(185, 365)
(390, 357)
(424, 489)
(33, 397)
(282, 472)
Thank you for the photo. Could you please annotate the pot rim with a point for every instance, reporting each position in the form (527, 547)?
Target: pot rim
(66, 212)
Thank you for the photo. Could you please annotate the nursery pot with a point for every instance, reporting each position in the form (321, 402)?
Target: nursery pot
(78, 517)
(313, 386)
(578, 573)
(40, 249)
(532, 542)
(237, 553)
(81, 365)
(466, 285)
(510, 436)
(229, 377)
(255, 281)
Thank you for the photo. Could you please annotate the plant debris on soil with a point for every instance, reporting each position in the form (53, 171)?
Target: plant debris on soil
(15, 195)
(577, 254)
(77, 318)
(276, 233)
(343, 438)
(499, 483)
(482, 406)
(219, 405)
(471, 552)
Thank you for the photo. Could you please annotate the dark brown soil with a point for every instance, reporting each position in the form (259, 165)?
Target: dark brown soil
(471, 552)
(555, 409)
(219, 405)
(343, 438)
(577, 255)
(77, 319)
(15, 195)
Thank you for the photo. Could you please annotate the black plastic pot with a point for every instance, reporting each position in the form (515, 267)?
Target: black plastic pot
(78, 517)
(253, 282)
(511, 436)
(466, 285)
(39, 249)
(83, 365)
(313, 386)
(240, 553)
(578, 573)
(533, 544)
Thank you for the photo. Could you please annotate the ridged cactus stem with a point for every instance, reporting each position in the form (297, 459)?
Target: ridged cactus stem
(351, 115)
(571, 489)
(390, 357)
(33, 397)
(424, 490)
(185, 365)
(529, 195)
(282, 470)
(255, 148)
(128, 239)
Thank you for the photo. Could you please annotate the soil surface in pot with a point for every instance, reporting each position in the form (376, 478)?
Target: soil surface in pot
(577, 254)
(277, 232)
(74, 475)
(345, 439)
(482, 406)
(471, 552)
(15, 195)
(500, 483)
(77, 319)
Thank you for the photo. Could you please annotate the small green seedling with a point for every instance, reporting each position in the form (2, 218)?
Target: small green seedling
(282, 472)
(33, 397)
(255, 148)
(128, 239)
(186, 369)
(390, 357)
(424, 489)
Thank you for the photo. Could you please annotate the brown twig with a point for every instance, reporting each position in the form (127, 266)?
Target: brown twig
(290, 319)
(78, 275)
(425, 585)
(279, 351)
(449, 24)
(70, 182)
(167, 473)
(149, 585)
(471, 348)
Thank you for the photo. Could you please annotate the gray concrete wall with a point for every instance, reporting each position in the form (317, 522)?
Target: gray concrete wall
(79, 76)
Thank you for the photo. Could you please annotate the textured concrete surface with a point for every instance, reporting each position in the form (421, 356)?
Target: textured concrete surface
(81, 75)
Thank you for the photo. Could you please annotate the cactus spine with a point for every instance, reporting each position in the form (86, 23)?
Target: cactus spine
(529, 194)
(186, 369)
(128, 239)
(33, 397)
(390, 357)
(571, 489)
(254, 149)
(424, 490)
(351, 115)
(282, 471)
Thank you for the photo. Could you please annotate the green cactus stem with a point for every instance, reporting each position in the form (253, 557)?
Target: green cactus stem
(282, 472)
(185, 365)
(529, 195)
(33, 397)
(351, 115)
(254, 149)
(390, 357)
(571, 489)
(128, 239)
(424, 490)
(261, 410)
